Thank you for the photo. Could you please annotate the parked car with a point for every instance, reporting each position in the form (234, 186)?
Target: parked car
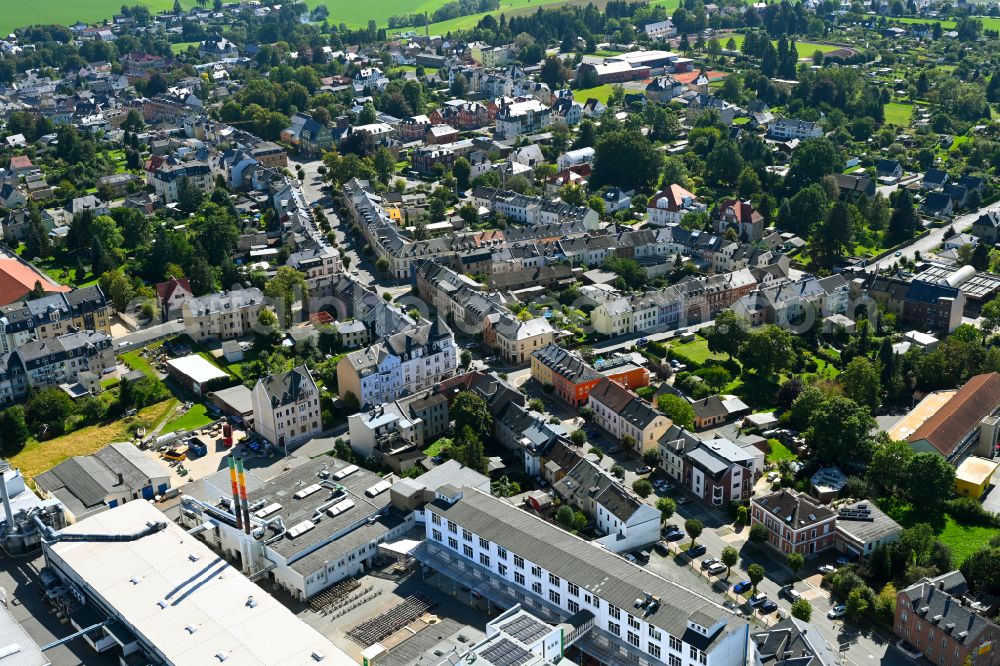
(742, 586)
(642, 341)
(843, 561)
(790, 593)
(827, 569)
(717, 569)
(630, 557)
(837, 611)
(767, 607)
(645, 469)
(661, 548)
(697, 551)
(673, 536)
(708, 561)
(642, 556)
(757, 599)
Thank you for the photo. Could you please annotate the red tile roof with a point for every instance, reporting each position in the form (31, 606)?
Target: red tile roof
(948, 427)
(18, 279)
(166, 289)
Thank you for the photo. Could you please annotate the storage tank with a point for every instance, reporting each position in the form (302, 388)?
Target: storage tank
(227, 435)
(960, 276)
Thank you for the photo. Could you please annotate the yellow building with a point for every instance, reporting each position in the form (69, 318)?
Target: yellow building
(973, 476)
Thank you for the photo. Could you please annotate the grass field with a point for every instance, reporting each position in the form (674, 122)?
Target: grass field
(696, 351)
(136, 361)
(805, 49)
(37, 457)
(195, 417)
(989, 22)
(898, 113)
(181, 47)
(65, 12)
(780, 452)
(600, 93)
(962, 539)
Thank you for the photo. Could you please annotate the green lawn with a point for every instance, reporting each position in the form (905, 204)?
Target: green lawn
(600, 93)
(805, 49)
(195, 417)
(779, 452)
(898, 113)
(136, 361)
(66, 12)
(435, 448)
(696, 351)
(181, 47)
(962, 539)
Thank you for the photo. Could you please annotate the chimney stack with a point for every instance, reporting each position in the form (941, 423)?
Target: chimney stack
(8, 513)
(243, 495)
(236, 493)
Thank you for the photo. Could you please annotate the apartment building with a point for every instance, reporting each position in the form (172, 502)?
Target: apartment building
(401, 425)
(791, 128)
(514, 557)
(934, 617)
(224, 315)
(534, 210)
(718, 471)
(660, 30)
(625, 415)
(405, 362)
(795, 522)
(572, 378)
(53, 315)
(167, 175)
(671, 204)
(72, 358)
(522, 116)
(286, 409)
(514, 340)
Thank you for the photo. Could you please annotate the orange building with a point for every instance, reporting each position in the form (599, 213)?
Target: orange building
(572, 378)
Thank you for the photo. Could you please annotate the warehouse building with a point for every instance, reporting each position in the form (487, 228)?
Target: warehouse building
(165, 598)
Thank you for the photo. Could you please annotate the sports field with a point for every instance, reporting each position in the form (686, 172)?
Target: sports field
(68, 12)
(805, 49)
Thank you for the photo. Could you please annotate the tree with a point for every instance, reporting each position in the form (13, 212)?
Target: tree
(840, 431)
(727, 334)
(758, 533)
(730, 556)
(724, 163)
(462, 169)
(677, 410)
(565, 516)
(931, 479)
(767, 351)
(50, 406)
(890, 465)
(834, 234)
(802, 609)
(385, 164)
(469, 410)
(466, 358)
(651, 457)
(755, 573)
(861, 382)
(982, 570)
(553, 72)
(794, 562)
(991, 314)
(14, 429)
(903, 221)
(287, 287)
(667, 506)
(642, 488)
(470, 451)
(748, 183)
(626, 159)
(716, 377)
(694, 528)
(858, 602)
(813, 159)
(618, 470)
(118, 288)
(578, 437)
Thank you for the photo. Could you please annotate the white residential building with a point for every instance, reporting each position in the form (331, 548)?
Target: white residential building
(286, 409)
(223, 315)
(661, 30)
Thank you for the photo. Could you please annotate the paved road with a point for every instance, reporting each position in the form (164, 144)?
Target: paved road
(933, 240)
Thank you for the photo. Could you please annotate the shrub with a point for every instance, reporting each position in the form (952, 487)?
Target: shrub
(968, 511)
(802, 610)
(642, 488)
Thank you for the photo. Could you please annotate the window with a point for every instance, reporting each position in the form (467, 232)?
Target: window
(693, 652)
(572, 606)
(654, 633)
(573, 589)
(615, 628)
(632, 622)
(453, 543)
(467, 551)
(614, 612)
(466, 534)
(554, 580)
(554, 597)
(673, 660)
(484, 560)
(502, 553)
(518, 561)
(502, 569)
(654, 650)
(675, 644)
(519, 578)
(536, 587)
(452, 527)
(436, 535)
(633, 638)
(536, 571)
(484, 544)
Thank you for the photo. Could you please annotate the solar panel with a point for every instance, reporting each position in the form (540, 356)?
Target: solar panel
(525, 629)
(506, 653)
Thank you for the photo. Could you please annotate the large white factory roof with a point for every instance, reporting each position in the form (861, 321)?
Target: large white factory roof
(186, 600)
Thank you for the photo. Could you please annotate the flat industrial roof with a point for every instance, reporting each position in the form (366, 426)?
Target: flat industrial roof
(205, 611)
(196, 368)
(16, 647)
(975, 470)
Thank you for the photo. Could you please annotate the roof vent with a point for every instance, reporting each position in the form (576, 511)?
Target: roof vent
(193, 557)
(250, 602)
(135, 580)
(162, 603)
(222, 656)
(191, 628)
